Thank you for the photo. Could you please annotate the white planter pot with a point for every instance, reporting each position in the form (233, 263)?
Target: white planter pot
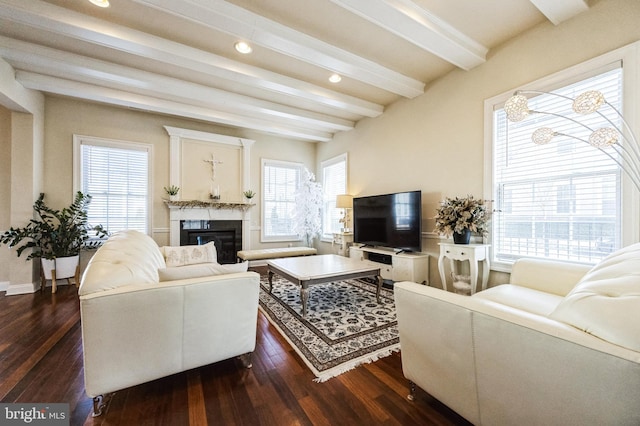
(65, 267)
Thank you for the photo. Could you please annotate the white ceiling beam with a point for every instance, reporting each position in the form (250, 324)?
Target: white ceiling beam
(231, 19)
(47, 61)
(406, 19)
(559, 11)
(91, 92)
(60, 21)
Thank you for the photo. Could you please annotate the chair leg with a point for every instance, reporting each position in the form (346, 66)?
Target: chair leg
(98, 405)
(246, 360)
(412, 391)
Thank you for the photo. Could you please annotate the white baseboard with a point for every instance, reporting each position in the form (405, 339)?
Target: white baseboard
(16, 289)
(4, 285)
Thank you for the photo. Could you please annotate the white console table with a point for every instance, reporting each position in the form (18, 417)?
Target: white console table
(396, 266)
(473, 253)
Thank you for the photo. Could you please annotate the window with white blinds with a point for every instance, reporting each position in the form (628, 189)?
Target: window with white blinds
(280, 181)
(116, 175)
(561, 200)
(334, 183)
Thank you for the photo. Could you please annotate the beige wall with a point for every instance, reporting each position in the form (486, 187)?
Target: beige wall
(66, 117)
(435, 141)
(5, 190)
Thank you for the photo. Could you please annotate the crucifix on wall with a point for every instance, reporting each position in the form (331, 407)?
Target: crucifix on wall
(215, 192)
(213, 163)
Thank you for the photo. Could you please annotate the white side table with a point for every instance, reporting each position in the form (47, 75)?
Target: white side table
(473, 253)
(343, 241)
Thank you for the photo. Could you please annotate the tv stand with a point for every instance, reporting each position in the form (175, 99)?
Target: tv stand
(395, 266)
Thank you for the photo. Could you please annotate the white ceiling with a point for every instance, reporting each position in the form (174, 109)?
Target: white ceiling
(177, 57)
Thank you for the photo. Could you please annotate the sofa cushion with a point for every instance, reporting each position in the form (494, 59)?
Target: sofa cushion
(127, 257)
(606, 302)
(200, 270)
(522, 298)
(190, 255)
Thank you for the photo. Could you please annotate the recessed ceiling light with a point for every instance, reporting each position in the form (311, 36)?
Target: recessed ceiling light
(100, 3)
(243, 47)
(335, 78)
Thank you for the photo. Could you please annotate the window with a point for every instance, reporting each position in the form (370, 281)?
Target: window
(116, 175)
(334, 183)
(561, 200)
(564, 200)
(280, 181)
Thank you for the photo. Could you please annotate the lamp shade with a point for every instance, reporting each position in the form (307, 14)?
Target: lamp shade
(344, 201)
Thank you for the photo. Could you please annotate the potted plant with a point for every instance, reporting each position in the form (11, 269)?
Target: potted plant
(56, 236)
(172, 191)
(249, 194)
(460, 217)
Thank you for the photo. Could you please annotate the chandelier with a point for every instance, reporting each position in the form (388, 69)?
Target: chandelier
(617, 142)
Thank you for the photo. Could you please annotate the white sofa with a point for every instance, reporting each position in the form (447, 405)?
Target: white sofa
(136, 328)
(560, 345)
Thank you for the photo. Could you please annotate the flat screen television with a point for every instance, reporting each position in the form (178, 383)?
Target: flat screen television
(389, 220)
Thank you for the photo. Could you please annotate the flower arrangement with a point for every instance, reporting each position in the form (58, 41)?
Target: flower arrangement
(307, 220)
(455, 215)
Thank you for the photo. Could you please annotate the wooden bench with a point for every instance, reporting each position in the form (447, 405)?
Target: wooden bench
(275, 253)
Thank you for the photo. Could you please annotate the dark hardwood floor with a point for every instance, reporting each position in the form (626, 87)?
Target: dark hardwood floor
(41, 362)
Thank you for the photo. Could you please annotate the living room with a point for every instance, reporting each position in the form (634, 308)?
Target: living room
(435, 142)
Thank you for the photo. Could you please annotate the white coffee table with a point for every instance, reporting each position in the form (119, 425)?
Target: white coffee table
(306, 271)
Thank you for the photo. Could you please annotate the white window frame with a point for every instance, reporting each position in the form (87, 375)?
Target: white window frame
(329, 202)
(630, 57)
(79, 140)
(288, 164)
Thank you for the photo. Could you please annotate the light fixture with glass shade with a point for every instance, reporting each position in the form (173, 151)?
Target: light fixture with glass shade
(344, 202)
(619, 143)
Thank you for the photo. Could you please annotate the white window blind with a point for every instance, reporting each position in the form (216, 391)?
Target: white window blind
(280, 181)
(561, 200)
(334, 183)
(116, 175)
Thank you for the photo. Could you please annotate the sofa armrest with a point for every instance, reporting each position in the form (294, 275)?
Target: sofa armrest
(436, 342)
(550, 276)
(140, 332)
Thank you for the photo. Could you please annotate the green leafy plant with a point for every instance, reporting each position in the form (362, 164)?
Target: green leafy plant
(56, 233)
(457, 214)
(172, 190)
(249, 194)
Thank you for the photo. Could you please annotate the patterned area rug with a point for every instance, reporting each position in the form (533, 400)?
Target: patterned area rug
(344, 326)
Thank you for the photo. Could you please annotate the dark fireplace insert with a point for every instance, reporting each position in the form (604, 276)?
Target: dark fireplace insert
(226, 235)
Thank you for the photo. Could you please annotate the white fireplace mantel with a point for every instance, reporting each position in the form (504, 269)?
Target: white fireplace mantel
(202, 210)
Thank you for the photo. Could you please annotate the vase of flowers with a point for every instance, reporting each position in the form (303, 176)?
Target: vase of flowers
(459, 217)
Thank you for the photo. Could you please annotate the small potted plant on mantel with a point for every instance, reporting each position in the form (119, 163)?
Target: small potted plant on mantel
(249, 194)
(172, 192)
(56, 237)
(460, 217)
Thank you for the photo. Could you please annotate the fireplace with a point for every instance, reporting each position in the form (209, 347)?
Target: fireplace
(226, 235)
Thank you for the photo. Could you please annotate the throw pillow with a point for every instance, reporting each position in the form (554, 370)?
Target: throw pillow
(190, 255)
(200, 270)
